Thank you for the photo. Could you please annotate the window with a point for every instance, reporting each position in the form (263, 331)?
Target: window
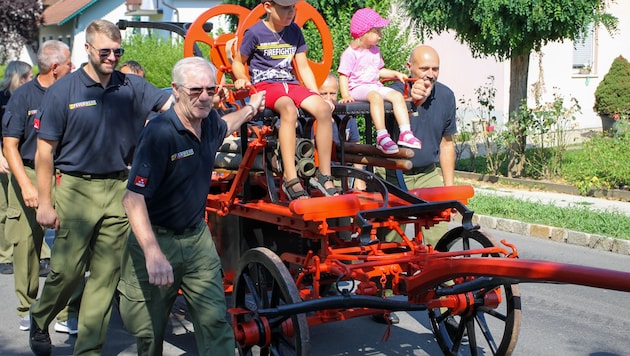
(584, 52)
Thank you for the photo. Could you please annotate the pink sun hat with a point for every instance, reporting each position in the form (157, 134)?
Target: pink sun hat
(364, 20)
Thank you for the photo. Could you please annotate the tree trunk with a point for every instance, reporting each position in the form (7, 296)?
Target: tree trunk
(519, 69)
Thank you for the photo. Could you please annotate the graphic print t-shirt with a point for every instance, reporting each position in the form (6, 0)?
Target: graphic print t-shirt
(270, 54)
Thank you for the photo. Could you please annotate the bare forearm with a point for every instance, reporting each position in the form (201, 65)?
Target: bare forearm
(44, 171)
(14, 159)
(136, 210)
(447, 161)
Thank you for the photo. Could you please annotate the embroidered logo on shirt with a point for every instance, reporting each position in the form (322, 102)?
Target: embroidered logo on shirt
(183, 154)
(31, 112)
(36, 123)
(82, 104)
(140, 181)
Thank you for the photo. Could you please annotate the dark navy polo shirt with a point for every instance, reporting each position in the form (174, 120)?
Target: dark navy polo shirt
(4, 99)
(436, 118)
(20, 114)
(173, 169)
(96, 128)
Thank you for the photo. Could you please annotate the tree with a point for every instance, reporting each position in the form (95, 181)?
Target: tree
(511, 30)
(20, 20)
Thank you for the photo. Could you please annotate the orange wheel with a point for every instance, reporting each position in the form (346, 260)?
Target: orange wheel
(304, 13)
(196, 32)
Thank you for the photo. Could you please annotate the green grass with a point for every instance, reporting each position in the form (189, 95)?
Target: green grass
(577, 218)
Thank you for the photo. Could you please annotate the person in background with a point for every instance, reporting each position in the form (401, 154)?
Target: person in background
(329, 90)
(89, 124)
(19, 145)
(132, 67)
(270, 68)
(170, 247)
(15, 74)
(435, 125)
(360, 68)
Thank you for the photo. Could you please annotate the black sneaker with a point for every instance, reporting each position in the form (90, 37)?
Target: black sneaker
(44, 267)
(39, 340)
(6, 268)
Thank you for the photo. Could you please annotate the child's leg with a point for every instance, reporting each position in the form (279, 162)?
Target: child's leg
(288, 112)
(406, 137)
(377, 112)
(400, 107)
(320, 110)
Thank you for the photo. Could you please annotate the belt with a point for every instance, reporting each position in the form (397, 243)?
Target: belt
(112, 175)
(29, 163)
(185, 231)
(420, 170)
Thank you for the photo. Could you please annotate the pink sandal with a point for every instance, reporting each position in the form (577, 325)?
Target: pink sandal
(408, 139)
(386, 145)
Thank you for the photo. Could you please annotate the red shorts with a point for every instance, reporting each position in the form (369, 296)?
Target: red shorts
(277, 90)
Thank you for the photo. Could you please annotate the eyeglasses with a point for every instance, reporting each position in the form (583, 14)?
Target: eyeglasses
(196, 91)
(104, 52)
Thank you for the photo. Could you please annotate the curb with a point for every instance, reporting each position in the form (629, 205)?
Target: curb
(594, 241)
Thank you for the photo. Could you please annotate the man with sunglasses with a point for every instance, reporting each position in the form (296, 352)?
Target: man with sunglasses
(88, 126)
(170, 247)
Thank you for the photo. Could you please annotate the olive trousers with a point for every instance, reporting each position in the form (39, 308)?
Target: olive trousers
(92, 234)
(145, 308)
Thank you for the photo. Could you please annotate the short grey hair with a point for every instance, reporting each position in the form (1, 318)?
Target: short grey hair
(189, 66)
(51, 52)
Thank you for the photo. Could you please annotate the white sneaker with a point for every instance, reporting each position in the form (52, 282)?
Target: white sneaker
(70, 326)
(25, 323)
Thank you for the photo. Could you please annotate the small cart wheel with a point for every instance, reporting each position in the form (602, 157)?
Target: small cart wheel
(263, 281)
(495, 328)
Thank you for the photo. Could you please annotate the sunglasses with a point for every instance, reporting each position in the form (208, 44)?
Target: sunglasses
(104, 52)
(196, 91)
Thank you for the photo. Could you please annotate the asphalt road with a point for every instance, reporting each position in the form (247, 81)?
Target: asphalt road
(556, 319)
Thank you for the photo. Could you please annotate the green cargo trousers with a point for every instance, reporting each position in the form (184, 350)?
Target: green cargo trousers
(92, 234)
(27, 237)
(6, 247)
(145, 308)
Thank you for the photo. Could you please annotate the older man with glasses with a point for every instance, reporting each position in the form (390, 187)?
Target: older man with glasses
(170, 247)
(88, 126)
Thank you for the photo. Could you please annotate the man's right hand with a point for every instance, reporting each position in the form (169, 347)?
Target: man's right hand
(29, 194)
(159, 269)
(421, 90)
(47, 217)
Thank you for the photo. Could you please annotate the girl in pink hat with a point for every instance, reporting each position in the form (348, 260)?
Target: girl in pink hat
(360, 68)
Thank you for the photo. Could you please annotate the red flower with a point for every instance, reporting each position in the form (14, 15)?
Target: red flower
(489, 128)
(616, 116)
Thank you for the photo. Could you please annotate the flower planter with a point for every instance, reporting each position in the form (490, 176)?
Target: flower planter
(608, 124)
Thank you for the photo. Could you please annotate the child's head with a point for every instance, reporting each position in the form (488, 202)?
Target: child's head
(364, 20)
(280, 12)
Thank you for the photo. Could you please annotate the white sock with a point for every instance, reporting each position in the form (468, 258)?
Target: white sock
(381, 132)
(404, 128)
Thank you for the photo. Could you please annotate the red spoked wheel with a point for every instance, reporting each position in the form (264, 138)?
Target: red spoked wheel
(218, 45)
(304, 13)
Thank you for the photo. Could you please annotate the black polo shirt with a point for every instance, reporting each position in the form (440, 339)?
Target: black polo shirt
(20, 114)
(4, 99)
(96, 128)
(436, 118)
(173, 169)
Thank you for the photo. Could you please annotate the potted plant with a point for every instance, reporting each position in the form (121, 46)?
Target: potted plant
(612, 96)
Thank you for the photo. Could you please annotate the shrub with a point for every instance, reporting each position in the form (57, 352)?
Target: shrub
(156, 54)
(612, 95)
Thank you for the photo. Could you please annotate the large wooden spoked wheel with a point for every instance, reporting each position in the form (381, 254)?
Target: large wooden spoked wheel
(304, 13)
(263, 281)
(494, 330)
